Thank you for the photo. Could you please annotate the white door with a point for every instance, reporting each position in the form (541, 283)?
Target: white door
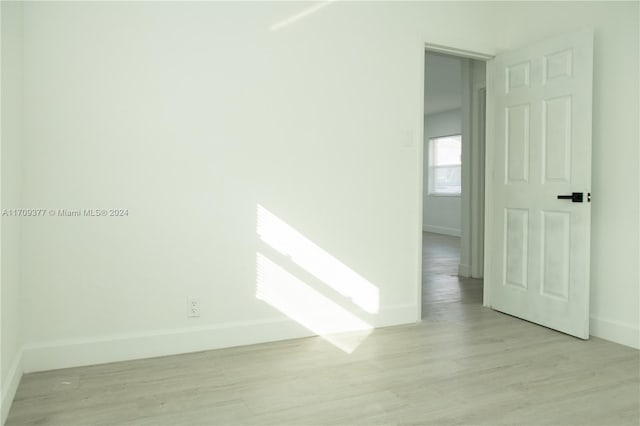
(542, 150)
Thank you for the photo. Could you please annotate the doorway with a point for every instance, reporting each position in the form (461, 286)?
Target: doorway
(453, 184)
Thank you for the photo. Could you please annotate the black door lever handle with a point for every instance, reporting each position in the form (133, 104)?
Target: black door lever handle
(575, 197)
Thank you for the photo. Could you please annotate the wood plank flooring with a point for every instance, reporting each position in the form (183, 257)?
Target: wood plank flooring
(464, 364)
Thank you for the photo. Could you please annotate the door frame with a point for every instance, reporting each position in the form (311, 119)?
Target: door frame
(488, 197)
(478, 154)
(489, 162)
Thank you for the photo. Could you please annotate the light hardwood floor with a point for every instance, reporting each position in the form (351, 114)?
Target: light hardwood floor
(464, 364)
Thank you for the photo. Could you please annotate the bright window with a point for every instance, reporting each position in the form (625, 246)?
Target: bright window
(445, 165)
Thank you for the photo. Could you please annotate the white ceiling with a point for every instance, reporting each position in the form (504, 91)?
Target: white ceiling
(442, 82)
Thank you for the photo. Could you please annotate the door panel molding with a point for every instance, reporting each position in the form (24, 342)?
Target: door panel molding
(538, 147)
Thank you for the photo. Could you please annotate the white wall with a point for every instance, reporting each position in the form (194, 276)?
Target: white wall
(11, 124)
(193, 114)
(442, 83)
(441, 214)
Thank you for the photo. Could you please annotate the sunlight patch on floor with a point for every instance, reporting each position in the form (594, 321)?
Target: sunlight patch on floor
(308, 307)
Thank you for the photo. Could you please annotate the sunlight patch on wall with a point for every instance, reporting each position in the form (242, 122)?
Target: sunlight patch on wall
(308, 307)
(307, 255)
(298, 16)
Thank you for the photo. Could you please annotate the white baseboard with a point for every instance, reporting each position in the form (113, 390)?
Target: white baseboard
(615, 331)
(441, 230)
(10, 386)
(101, 350)
(464, 270)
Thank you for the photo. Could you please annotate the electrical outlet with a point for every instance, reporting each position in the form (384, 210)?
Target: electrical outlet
(193, 307)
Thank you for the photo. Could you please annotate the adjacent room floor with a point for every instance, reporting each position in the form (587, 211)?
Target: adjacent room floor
(463, 364)
(444, 293)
